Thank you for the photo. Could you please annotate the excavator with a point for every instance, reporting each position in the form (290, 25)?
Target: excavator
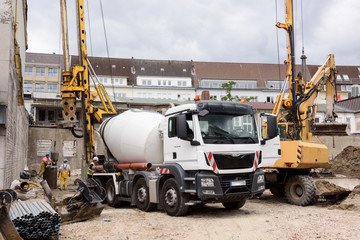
(76, 85)
(290, 175)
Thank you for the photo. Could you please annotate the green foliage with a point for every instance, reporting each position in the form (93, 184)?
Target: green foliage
(228, 97)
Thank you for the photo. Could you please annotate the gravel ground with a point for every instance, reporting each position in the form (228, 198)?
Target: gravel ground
(265, 218)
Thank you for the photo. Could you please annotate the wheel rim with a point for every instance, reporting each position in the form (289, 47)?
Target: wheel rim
(297, 191)
(141, 194)
(110, 194)
(171, 197)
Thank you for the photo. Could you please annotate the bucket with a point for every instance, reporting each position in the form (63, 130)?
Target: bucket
(50, 176)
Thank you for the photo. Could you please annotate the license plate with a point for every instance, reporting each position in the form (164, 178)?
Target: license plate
(238, 183)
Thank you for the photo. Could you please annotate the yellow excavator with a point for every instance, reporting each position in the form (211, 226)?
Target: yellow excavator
(76, 84)
(290, 175)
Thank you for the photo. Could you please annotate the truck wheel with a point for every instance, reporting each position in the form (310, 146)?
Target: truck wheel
(172, 200)
(300, 190)
(142, 196)
(278, 190)
(110, 193)
(234, 205)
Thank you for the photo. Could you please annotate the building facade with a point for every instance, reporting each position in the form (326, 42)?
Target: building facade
(13, 115)
(156, 84)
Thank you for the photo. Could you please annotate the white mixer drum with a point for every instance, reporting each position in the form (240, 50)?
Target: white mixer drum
(133, 137)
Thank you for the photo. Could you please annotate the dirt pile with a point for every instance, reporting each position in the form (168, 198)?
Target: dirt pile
(352, 202)
(347, 162)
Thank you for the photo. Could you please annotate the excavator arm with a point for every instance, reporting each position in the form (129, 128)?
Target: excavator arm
(298, 122)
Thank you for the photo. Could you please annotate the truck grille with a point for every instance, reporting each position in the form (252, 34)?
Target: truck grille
(228, 161)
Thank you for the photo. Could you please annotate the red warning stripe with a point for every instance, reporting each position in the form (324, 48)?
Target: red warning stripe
(164, 171)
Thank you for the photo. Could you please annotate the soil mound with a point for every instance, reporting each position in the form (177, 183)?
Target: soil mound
(352, 202)
(347, 162)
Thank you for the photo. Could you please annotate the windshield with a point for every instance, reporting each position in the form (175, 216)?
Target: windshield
(228, 129)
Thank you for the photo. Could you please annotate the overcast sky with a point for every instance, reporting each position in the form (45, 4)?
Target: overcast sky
(202, 30)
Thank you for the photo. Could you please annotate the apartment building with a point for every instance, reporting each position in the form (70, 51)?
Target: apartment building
(156, 84)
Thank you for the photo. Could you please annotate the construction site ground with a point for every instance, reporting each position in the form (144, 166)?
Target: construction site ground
(265, 218)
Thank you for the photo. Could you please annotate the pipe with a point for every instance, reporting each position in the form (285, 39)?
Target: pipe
(133, 166)
(47, 189)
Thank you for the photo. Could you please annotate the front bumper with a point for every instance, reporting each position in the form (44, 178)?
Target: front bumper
(229, 188)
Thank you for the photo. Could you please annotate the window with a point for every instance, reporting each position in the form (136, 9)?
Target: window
(40, 72)
(274, 84)
(51, 116)
(338, 77)
(159, 83)
(120, 95)
(39, 87)
(149, 82)
(215, 85)
(28, 71)
(346, 77)
(142, 69)
(169, 83)
(143, 82)
(346, 88)
(42, 115)
(270, 99)
(52, 88)
(162, 69)
(184, 83)
(52, 72)
(171, 127)
(164, 83)
(359, 69)
(27, 87)
(206, 84)
(184, 70)
(179, 83)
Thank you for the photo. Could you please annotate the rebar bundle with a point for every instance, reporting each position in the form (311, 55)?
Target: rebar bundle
(34, 219)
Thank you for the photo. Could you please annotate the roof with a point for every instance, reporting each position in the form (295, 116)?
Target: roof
(241, 71)
(262, 105)
(44, 58)
(350, 103)
(168, 68)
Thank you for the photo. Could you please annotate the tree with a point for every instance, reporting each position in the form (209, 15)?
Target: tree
(228, 97)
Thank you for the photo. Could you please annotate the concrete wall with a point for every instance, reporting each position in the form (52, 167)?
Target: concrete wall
(338, 143)
(60, 142)
(13, 134)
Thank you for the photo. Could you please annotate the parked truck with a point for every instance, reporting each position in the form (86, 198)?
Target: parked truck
(207, 151)
(199, 153)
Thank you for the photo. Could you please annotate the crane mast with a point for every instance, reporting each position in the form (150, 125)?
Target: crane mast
(76, 82)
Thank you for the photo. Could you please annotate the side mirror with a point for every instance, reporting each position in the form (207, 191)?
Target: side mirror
(181, 127)
(272, 127)
(269, 127)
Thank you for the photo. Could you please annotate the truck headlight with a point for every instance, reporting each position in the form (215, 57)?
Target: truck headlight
(262, 187)
(207, 182)
(260, 179)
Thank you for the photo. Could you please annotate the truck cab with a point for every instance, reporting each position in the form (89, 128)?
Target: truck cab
(215, 148)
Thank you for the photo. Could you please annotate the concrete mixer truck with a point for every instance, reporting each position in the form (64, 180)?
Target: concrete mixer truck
(205, 152)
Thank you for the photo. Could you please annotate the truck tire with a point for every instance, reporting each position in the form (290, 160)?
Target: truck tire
(172, 200)
(110, 193)
(277, 190)
(142, 196)
(300, 190)
(234, 205)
